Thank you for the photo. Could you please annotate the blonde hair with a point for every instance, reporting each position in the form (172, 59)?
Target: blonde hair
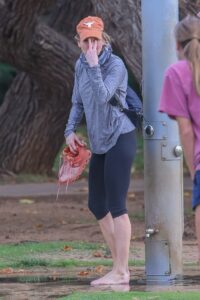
(107, 39)
(187, 33)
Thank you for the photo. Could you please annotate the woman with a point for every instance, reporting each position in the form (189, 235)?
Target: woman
(180, 99)
(98, 76)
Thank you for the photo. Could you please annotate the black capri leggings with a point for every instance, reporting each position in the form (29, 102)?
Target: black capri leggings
(109, 178)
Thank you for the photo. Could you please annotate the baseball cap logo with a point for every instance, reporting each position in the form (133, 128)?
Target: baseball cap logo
(90, 27)
(88, 24)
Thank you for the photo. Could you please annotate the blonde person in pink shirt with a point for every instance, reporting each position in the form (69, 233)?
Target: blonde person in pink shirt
(180, 99)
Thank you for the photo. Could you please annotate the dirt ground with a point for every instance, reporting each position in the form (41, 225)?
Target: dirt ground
(68, 218)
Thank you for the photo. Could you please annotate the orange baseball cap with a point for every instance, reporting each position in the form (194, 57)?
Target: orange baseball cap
(90, 27)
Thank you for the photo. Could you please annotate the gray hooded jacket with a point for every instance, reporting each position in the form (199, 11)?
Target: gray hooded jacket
(93, 88)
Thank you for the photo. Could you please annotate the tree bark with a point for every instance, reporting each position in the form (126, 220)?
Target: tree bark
(34, 112)
(123, 23)
(42, 49)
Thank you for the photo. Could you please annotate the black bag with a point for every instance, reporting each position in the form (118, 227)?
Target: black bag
(134, 111)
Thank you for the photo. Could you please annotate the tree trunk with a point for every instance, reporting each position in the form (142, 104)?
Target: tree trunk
(42, 49)
(35, 109)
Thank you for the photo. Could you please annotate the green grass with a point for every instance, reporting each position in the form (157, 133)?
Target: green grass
(22, 254)
(27, 255)
(65, 263)
(133, 296)
(28, 178)
(138, 164)
(136, 170)
(137, 167)
(189, 212)
(7, 73)
(34, 178)
(139, 216)
(35, 247)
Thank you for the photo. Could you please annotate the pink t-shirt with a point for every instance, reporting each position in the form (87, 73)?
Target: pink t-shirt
(179, 99)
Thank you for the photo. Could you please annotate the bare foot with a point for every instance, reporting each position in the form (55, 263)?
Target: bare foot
(112, 278)
(113, 287)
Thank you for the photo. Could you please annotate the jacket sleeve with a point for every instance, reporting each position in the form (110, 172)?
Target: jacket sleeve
(77, 110)
(105, 88)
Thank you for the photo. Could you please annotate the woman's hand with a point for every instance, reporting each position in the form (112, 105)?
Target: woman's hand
(71, 140)
(91, 54)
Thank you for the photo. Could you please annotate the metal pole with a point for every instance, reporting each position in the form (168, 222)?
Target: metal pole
(163, 181)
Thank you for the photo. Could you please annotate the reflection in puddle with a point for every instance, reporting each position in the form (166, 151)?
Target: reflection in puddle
(114, 288)
(185, 280)
(61, 285)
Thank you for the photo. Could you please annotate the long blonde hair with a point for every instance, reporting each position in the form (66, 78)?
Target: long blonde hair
(187, 33)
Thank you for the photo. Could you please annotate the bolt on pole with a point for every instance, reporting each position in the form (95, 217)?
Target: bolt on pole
(163, 180)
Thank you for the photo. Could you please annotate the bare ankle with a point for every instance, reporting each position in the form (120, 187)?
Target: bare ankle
(122, 272)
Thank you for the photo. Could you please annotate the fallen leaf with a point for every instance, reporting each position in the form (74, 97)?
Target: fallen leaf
(39, 225)
(55, 273)
(133, 238)
(20, 271)
(83, 189)
(7, 271)
(67, 248)
(131, 195)
(83, 273)
(187, 194)
(97, 254)
(54, 278)
(26, 201)
(99, 269)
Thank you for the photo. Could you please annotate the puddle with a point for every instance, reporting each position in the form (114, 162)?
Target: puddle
(52, 287)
